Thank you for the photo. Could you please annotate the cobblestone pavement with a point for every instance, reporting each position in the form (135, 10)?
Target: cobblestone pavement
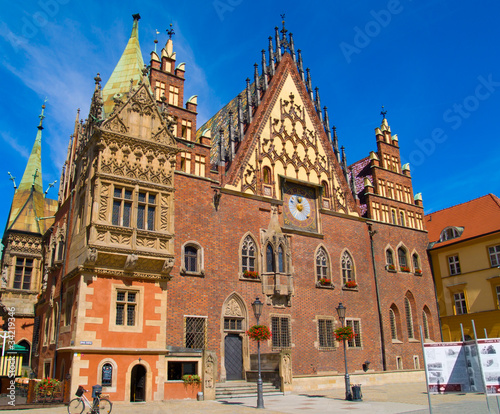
(386, 399)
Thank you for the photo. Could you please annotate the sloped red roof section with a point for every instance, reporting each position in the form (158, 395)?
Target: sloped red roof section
(478, 217)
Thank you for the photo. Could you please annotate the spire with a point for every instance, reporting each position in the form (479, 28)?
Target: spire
(353, 185)
(257, 84)
(292, 48)
(264, 71)
(249, 102)
(335, 143)
(278, 44)
(129, 67)
(29, 203)
(240, 119)
(301, 67)
(383, 113)
(309, 85)
(33, 173)
(318, 105)
(271, 56)
(326, 124)
(344, 162)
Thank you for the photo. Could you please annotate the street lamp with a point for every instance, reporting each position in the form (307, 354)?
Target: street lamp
(257, 311)
(341, 312)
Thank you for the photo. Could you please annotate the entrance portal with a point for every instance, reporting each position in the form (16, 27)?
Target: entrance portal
(233, 357)
(138, 384)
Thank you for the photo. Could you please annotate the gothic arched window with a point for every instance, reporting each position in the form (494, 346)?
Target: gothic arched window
(403, 262)
(322, 265)
(347, 268)
(270, 265)
(281, 260)
(409, 319)
(248, 255)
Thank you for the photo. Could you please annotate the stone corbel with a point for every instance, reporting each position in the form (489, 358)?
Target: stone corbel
(168, 265)
(91, 257)
(131, 262)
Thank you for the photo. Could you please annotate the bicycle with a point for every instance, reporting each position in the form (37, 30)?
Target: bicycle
(99, 405)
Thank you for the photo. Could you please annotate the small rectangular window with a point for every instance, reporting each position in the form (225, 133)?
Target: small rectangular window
(355, 324)
(195, 336)
(122, 206)
(494, 255)
(177, 369)
(281, 337)
(126, 307)
(146, 207)
(454, 265)
(23, 273)
(460, 303)
(399, 363)
(325, 333)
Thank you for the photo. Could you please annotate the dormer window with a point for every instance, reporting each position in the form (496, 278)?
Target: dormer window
(450, 233)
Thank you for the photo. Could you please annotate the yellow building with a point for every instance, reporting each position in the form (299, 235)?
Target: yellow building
(465, 257)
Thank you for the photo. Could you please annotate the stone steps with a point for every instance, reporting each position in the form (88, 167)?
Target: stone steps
(240, 389)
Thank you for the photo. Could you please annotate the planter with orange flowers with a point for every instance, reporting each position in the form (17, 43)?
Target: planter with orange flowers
(346, 333)
(351, 284)
(250, 274)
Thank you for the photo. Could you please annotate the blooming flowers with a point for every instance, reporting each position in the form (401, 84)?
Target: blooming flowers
(351, 284)
(259, 333)
(344, 333)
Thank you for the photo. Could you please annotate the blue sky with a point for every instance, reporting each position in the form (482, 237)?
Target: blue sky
(434, 65)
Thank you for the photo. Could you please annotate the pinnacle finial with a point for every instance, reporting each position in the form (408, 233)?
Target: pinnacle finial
(156, 38)
(283, 22)
(383, 112)
(42, 116)
(136, 16)
(170, 31)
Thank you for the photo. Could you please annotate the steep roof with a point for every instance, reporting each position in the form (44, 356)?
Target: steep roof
(478, 217)
(29, 203)
(129, 67)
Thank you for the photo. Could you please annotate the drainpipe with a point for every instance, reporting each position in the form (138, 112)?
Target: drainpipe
(381, 324)
(63, 271)
(429, 257)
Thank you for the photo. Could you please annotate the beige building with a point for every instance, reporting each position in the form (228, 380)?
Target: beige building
(465, 256)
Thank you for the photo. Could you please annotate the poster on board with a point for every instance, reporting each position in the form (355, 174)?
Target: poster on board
(452, 367)
(489, 355)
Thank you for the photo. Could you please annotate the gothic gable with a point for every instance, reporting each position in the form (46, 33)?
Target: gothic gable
(139, 116)
(286, 139)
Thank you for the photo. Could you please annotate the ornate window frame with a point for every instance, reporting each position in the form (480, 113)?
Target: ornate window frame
(322, 250)
(402, 252)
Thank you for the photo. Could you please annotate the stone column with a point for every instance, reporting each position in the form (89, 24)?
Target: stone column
(209, 374)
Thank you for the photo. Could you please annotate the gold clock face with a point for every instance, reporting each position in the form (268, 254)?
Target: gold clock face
(299, 206)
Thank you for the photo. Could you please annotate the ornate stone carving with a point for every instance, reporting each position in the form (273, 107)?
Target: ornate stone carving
(91, 257)
(168, 265)
(233, 309)
(103, 203)
(131, 262)
(286, 370)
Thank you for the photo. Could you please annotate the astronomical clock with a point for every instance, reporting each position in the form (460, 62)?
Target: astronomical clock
(299, 207)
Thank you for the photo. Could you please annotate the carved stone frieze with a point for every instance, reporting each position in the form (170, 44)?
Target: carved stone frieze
(103, 201)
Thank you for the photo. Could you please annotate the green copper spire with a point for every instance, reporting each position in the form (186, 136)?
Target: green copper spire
(29, 204)
(129, 67)
(33, 172)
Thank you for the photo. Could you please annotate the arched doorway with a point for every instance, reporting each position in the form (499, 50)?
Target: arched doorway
(234, 347)
(138, 384)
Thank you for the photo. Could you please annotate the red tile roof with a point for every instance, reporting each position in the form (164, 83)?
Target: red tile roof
(478, 217)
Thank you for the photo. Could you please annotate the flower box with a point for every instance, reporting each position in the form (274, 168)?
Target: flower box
(404, 269)
(390, 267)
(351, 284)
(418, 272)
(325, 282)
(191, 379)
(250, 274)
(259, 333)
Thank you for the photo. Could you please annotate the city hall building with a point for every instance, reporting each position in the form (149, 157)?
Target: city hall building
(166, 232)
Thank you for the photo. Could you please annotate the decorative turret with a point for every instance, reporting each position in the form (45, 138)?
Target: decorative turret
(249, 102)
(317, 102)
(278, 44)
(257, 84)
(344, 163)
(326, 124)
(309, 85)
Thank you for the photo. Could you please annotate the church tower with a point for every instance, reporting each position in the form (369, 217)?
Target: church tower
(31, 214)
